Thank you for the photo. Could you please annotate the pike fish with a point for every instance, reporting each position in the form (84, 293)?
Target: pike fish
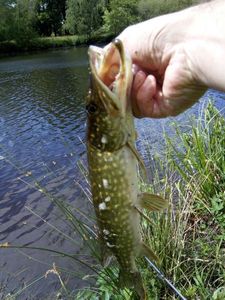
(113, 161)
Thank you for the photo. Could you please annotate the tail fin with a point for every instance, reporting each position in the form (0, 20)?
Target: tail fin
(133, 280)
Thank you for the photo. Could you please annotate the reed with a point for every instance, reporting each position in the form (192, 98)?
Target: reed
(188, 237)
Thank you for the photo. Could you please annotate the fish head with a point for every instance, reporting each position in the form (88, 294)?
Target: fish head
(108, 104)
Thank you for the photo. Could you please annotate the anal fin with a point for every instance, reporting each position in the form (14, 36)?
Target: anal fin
(152, 202)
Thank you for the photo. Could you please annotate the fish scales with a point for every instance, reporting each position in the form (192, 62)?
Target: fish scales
(114, 191)
(112, 160)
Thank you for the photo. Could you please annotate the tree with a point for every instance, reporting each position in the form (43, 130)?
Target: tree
(24, 19)
(120, 14)
(17, 20)
(50, 16)
(151, 8)
(7, 10)
(83, 16)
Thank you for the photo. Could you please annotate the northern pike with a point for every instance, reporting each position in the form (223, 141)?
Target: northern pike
(113, 161)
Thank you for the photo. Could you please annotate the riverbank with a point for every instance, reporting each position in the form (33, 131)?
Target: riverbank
(42, 130)
(189, 235)
(45, 43)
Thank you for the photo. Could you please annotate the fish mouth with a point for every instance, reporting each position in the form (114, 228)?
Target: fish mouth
(113, 79)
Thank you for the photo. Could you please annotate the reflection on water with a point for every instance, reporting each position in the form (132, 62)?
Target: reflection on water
(42, 128)
(42, 125)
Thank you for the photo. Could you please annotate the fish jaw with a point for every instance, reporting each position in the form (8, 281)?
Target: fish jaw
(112, 163)
(114, 98)
(110, 120)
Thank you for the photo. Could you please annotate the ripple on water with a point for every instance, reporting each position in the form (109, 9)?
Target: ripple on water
(42, 126)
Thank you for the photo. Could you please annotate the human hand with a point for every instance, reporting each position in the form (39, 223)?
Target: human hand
(165, 83)
(169, 64)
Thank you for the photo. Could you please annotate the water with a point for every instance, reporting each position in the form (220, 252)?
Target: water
(42, 132)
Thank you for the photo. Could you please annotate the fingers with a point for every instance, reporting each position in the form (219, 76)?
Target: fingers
(134, 48)
(144, 92)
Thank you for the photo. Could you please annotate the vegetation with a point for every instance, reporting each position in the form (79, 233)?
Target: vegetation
(151, 8)
(189, 237)
(22, 22)
(120, 14)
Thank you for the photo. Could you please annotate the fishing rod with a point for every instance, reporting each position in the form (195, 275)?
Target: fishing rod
(163, 278)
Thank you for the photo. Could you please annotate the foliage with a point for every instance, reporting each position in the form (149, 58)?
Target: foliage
(83, 17)
(50, 17)
(152, 8)
(22, 20)
(17, 19)
(6, 18)
(105, 290)
(42, 43)
(189, 237)
(203, 160)
(119, 15)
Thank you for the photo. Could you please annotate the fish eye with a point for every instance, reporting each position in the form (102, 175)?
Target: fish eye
(91, 108)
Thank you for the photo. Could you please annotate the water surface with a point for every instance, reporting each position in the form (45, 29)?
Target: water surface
(42, 135)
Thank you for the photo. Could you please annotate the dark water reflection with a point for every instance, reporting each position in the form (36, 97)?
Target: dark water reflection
(41, 131)
(42, 128)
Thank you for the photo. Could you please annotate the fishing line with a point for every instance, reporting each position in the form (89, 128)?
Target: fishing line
(162, 277)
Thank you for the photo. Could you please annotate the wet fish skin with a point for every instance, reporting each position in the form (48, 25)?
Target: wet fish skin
(112, 160)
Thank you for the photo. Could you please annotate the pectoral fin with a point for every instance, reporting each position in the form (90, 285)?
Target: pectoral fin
(139, 159)
(152, 202)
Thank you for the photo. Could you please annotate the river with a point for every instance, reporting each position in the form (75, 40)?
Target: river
(42, 138)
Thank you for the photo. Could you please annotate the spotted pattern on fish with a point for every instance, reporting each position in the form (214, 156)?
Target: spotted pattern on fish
(113, 166)
(119, 218)
(110, 137)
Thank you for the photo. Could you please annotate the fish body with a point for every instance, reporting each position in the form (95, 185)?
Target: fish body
(112, 160)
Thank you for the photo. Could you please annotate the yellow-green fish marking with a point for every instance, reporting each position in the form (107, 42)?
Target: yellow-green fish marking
(112, 160)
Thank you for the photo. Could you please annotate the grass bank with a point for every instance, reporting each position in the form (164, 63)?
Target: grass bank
(44, 43)
(189, 237)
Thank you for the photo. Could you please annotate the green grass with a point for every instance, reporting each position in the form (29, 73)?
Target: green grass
(43, 43)
(188, 237)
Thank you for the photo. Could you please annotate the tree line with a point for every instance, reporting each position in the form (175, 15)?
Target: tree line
(23, 20)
